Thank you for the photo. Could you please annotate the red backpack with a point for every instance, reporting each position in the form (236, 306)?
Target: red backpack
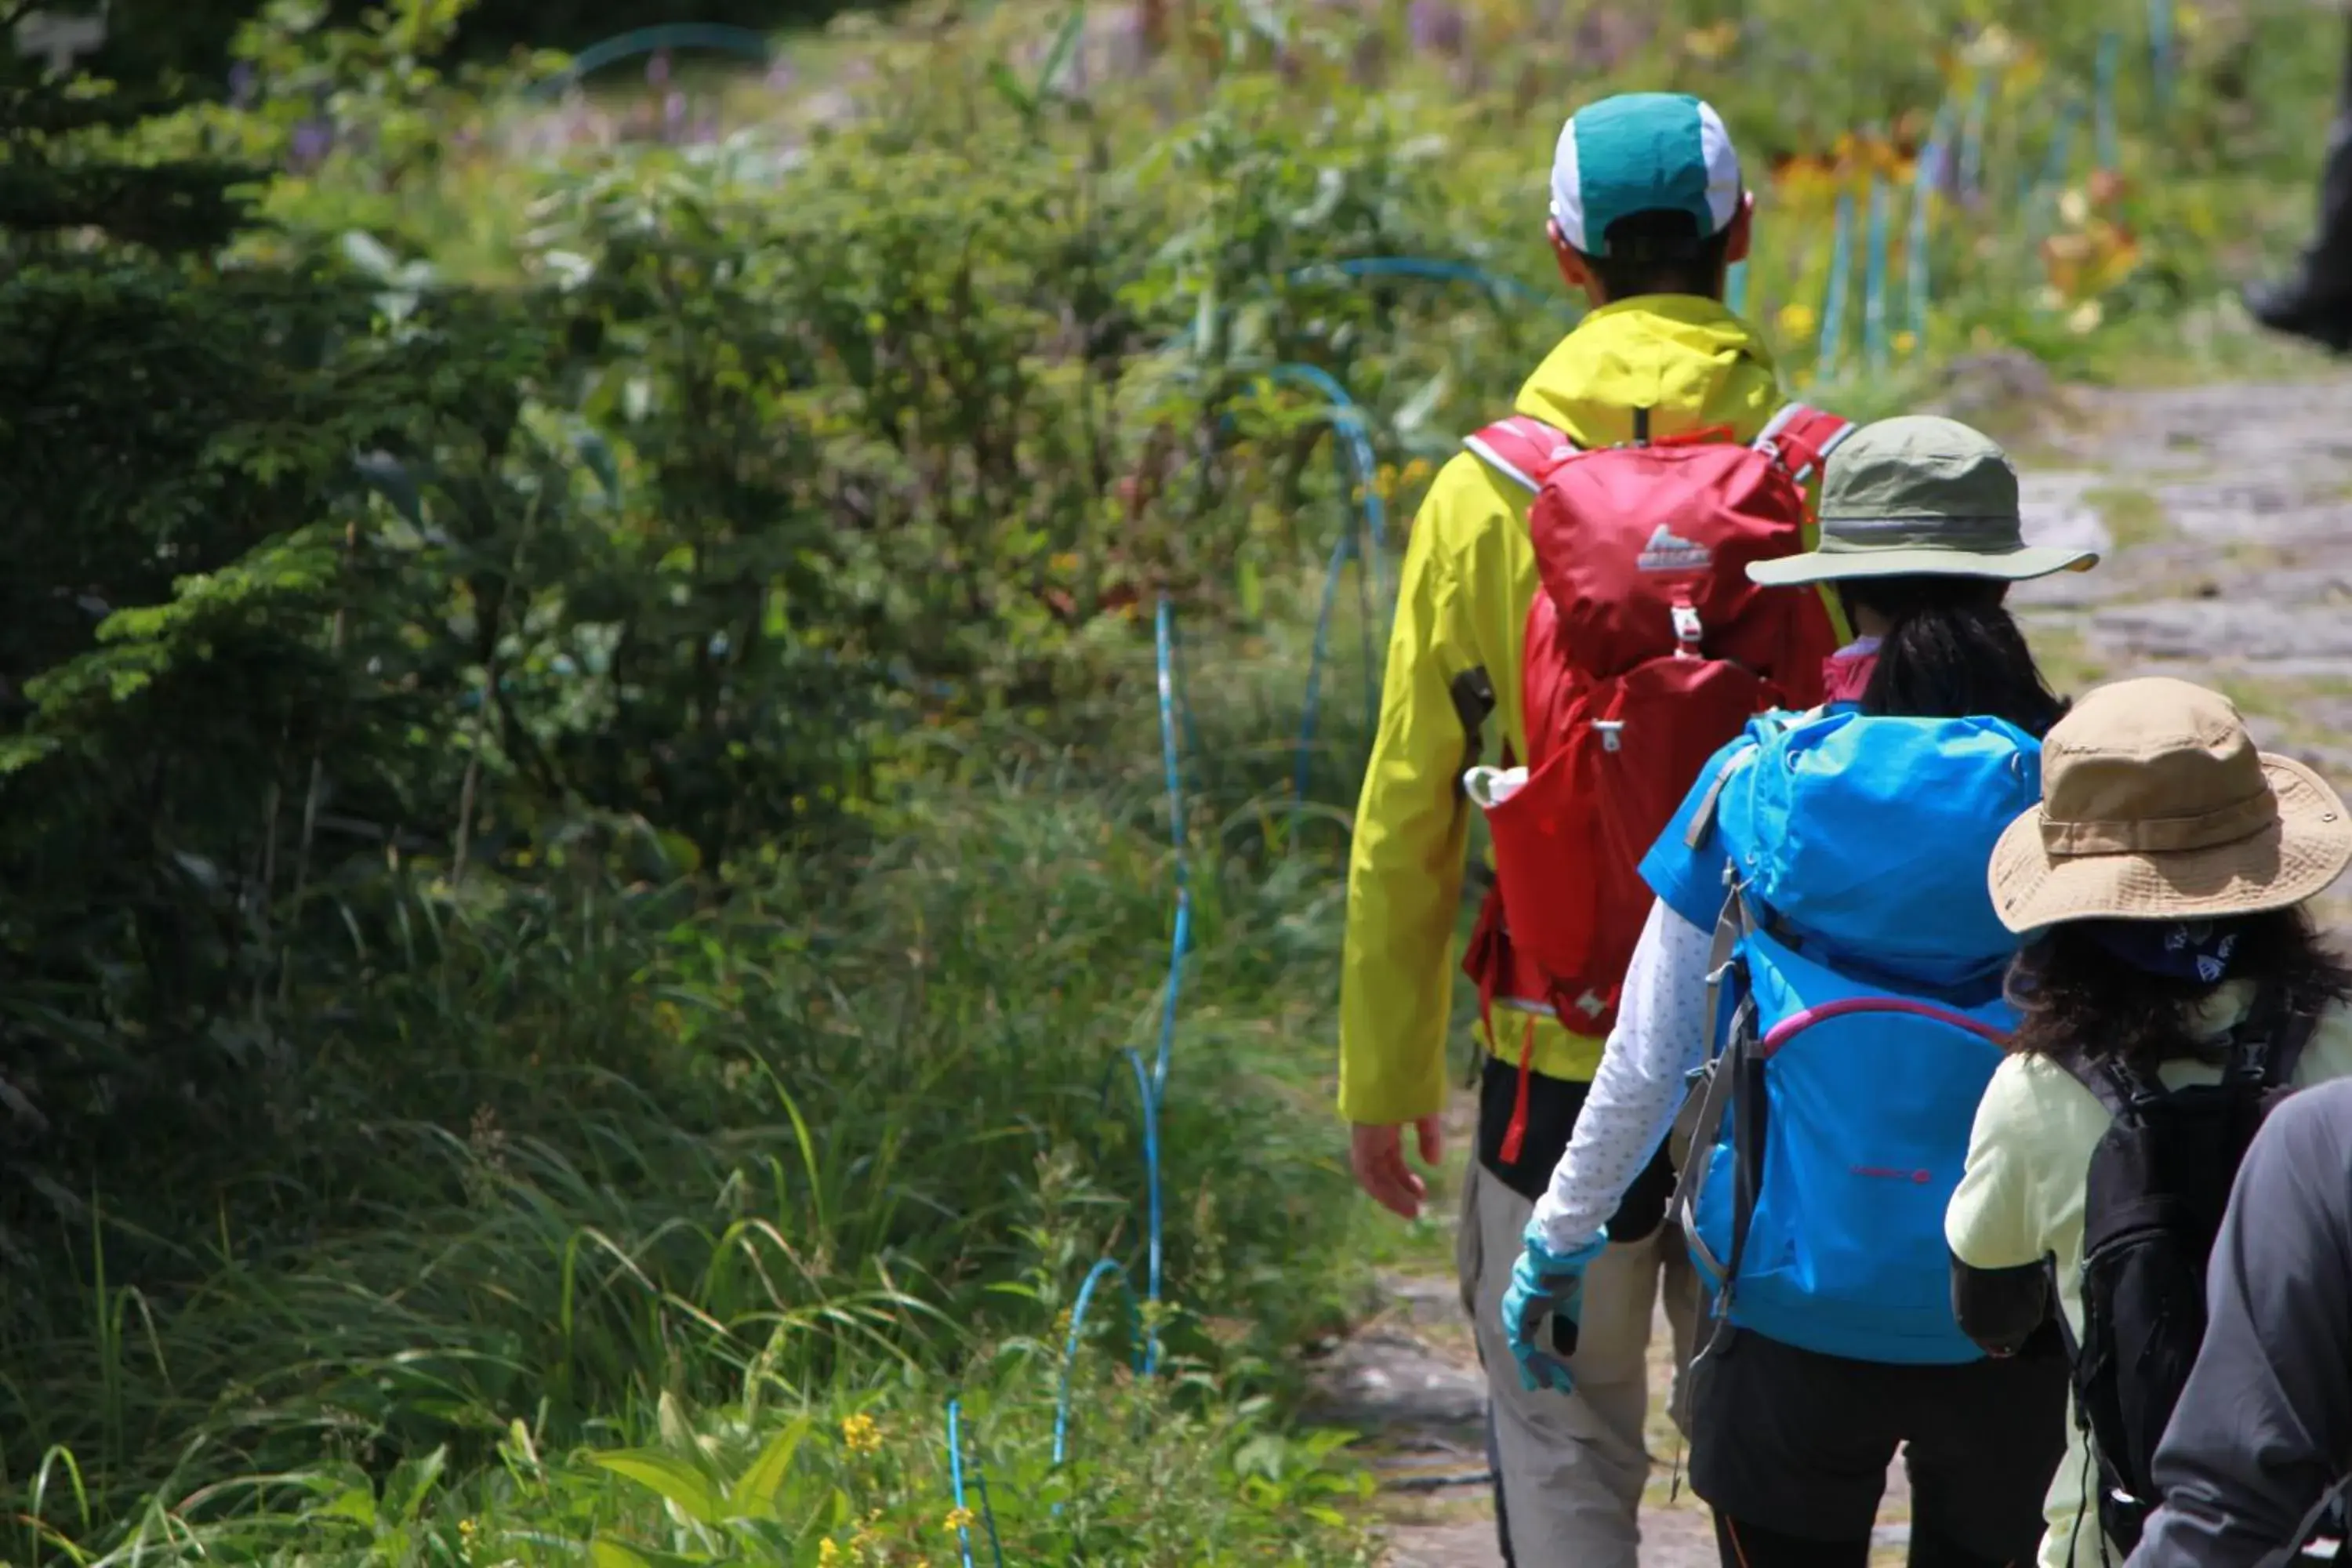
(1648, 650)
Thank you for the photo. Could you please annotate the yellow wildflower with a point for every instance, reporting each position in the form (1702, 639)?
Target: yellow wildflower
(1906, 342)
(1796, 320)
(859, 1435)
(828, 1551)
(1712, 43)
(957, 1518)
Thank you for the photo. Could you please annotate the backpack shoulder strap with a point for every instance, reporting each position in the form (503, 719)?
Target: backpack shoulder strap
(2115, 1087)
(1731, 1020)
(1523, 450)
(2267, 1045)
(1802, 438)
(1702, 821)
(2286, 1048)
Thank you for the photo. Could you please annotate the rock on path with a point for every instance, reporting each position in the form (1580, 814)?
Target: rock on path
(2225, 516)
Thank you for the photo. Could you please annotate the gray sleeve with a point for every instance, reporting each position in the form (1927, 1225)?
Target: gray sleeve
(2264, 1425)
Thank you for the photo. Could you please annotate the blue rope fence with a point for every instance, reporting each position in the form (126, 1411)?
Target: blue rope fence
(740, 41)
(955, 1478)
(1365, 545)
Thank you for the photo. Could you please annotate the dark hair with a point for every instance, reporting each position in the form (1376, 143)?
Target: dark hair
(1660, 253)
(2076, 995)
(1951, 651)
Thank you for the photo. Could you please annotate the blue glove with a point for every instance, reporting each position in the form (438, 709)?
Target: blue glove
(1546, 1284)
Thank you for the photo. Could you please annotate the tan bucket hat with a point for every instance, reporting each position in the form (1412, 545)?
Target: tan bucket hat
(2156, 805)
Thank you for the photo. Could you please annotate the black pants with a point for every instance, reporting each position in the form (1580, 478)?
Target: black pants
(1753, 1546)
(1791, 1447)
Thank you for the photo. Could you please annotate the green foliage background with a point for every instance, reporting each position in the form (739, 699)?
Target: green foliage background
(580, 801)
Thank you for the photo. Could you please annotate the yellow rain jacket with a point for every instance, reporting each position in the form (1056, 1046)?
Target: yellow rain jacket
(1469, 576)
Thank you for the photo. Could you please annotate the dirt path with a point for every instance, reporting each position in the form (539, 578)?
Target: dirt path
(2226, 516)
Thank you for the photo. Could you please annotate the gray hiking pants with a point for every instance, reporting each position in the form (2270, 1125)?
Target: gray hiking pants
(1571, 1468)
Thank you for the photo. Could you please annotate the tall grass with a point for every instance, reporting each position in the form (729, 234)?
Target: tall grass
(827, 1138)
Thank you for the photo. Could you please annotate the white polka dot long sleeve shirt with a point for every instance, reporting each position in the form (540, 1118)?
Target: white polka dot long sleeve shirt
(1660, 1038)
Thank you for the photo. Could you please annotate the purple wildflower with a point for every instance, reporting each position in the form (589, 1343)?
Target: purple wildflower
(242, 85)
(1436, 26)
(657, 68)
(313, 140)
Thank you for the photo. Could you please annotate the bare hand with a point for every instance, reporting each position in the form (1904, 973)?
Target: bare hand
(1376, 1154)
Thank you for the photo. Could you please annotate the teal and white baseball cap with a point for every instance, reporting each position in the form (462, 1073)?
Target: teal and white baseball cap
(1642, 153)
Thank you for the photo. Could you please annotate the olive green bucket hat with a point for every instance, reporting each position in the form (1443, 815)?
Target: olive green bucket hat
(1920, 496)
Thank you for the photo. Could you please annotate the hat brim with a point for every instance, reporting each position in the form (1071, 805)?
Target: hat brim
(2294, 858)
(1837, 566)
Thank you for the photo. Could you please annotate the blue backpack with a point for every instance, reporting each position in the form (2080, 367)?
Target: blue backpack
(1858, 1011)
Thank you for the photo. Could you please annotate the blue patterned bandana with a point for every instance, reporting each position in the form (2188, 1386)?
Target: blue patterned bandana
(2197, 950)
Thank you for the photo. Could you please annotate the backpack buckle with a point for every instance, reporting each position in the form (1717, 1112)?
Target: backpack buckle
(1687, 631)
(1612, 734)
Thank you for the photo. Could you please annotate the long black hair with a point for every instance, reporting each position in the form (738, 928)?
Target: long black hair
(1951, 650)
(2076, 993)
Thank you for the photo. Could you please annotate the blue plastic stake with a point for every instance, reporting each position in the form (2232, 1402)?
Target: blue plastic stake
(2110, 51)
(1833, 291)
(1874, 281)
(1735, 289)
(1917, 260)
(1972, 139)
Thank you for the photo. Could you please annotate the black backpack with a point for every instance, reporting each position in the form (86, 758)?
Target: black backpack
(2158, 1182)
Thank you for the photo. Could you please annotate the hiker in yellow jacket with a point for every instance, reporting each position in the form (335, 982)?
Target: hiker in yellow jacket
(1648, 211)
